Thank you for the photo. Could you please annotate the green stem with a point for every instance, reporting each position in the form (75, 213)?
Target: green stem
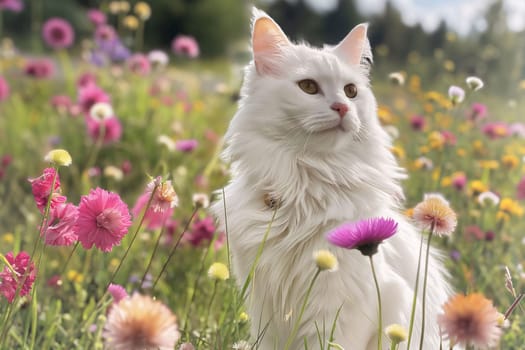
(414, 299)
(208, 310)
(380, 313)
(69, 258)
(303, 307)
(172, 251)
(157, 243)
(423, 311)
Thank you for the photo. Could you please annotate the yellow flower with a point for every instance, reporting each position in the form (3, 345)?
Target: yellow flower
(428, 108)
(508, 208)
(8, 237)
(396, 333)
(218, 271)
(478, 147)
(436, 140)
(449, 65)
(477, 187)
(75, 276)
(510, 161)
(446, 181)
(325, 260)
(130, 22)
(424, 149)
(489, 164)
(243, 317)
(423, 163)
(398, 151)
(142, 10)
(461, 152)
(59, 157)
(434, 213)
(415, 83)
(409, 213)
(384, 115)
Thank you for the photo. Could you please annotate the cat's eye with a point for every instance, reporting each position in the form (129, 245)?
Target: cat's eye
(351, 90)
(309, 86)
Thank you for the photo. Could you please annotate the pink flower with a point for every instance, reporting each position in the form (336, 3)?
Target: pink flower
(89, 95)
(449, 137)
(9, 282)
(4, 89)
(139, 64)
(103, 220)
(202, 232)
(96, 17)
(364, 235)
(459, 180)
(111, 128)
(11, 5)
(117, 292)
(58, 33)
(496, 130)
(184, 45)
(162, 205)
(186, 145)
(41, 187)
(61, 103)
(517, 129)
(61, 228)
(477, 111)
(105, 33)
(39, 68)
(520, 189)
(86, 79)
(418, 122)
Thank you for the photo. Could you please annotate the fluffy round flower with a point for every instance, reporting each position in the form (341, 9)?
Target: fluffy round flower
(139, 64)
(456, 94)
(117, 292)
(325, 260)
(488, 197)
(103, 220)
(474, 83)
(364, 235)
(10, 282)
(158, 58)
(184, 45)
(435, 213)
(201, 200)
(139, 323)
(91, 94)
(39, 68)
(41, 188)
(218, 271)
(58, 33)
(470, 320)
(101, 111)
(61, 226)
(164, 201)
(397, 78)
(396, 333)
(111, 128)
(60, 157)
(96, 17)
(130, 22)
(142, 10)
(4, 89)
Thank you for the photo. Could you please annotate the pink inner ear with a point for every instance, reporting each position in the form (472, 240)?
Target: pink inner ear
(351, 47)
(268, 40)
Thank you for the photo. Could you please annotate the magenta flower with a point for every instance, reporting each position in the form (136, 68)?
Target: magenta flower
(61, 225)
(105, 33)
(202, 232)
(495, 130)
(117, 292)
(39, 68)
(90, 94)
(96, 17)
(162, 205)
(86, 79)
(186, 145)
(61, 103)
(139, 64)
(58, 33)
(449, 137)
(4, 89)
(41, 188)
(103, 220)
(184, 45)
(23, 279)
(417, 122)
(111, 128)
(477, 111)
(364, 235)
(11, 5)
(520, 189)
(459, 180)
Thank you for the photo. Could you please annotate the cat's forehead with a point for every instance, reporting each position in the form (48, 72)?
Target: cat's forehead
(323, 63)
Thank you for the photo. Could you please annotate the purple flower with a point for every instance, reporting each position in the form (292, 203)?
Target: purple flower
(515, 129)
(58, 33)
(417, 122)
(184, 45)
(364, 235)
(186, 145)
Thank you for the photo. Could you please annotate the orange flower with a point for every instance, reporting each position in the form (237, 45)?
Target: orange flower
(470, 320)
(435, 213)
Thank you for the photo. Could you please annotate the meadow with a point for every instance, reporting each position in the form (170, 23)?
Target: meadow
(152, 145)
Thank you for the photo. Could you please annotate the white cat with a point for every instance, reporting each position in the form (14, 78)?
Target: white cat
(306, 138)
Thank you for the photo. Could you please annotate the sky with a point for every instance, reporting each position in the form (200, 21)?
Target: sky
(460, 15)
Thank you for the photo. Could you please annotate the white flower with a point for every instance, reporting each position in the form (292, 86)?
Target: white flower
(158, 58)
(474, 83)
(167, 141)
(101, 111)
(488, 197)
(241, 345)
(397, 78)
(113, 172)
(201, 200)
(456, 94)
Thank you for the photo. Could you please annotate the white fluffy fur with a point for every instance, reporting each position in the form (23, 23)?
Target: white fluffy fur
(287, 143)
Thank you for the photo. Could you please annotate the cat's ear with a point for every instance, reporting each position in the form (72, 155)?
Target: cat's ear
(355, 47)
(268, 43)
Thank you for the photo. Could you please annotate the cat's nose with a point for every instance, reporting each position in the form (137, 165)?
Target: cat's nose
(340, 108)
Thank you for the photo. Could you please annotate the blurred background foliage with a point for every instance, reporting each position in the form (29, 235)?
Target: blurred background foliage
(221, 28)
